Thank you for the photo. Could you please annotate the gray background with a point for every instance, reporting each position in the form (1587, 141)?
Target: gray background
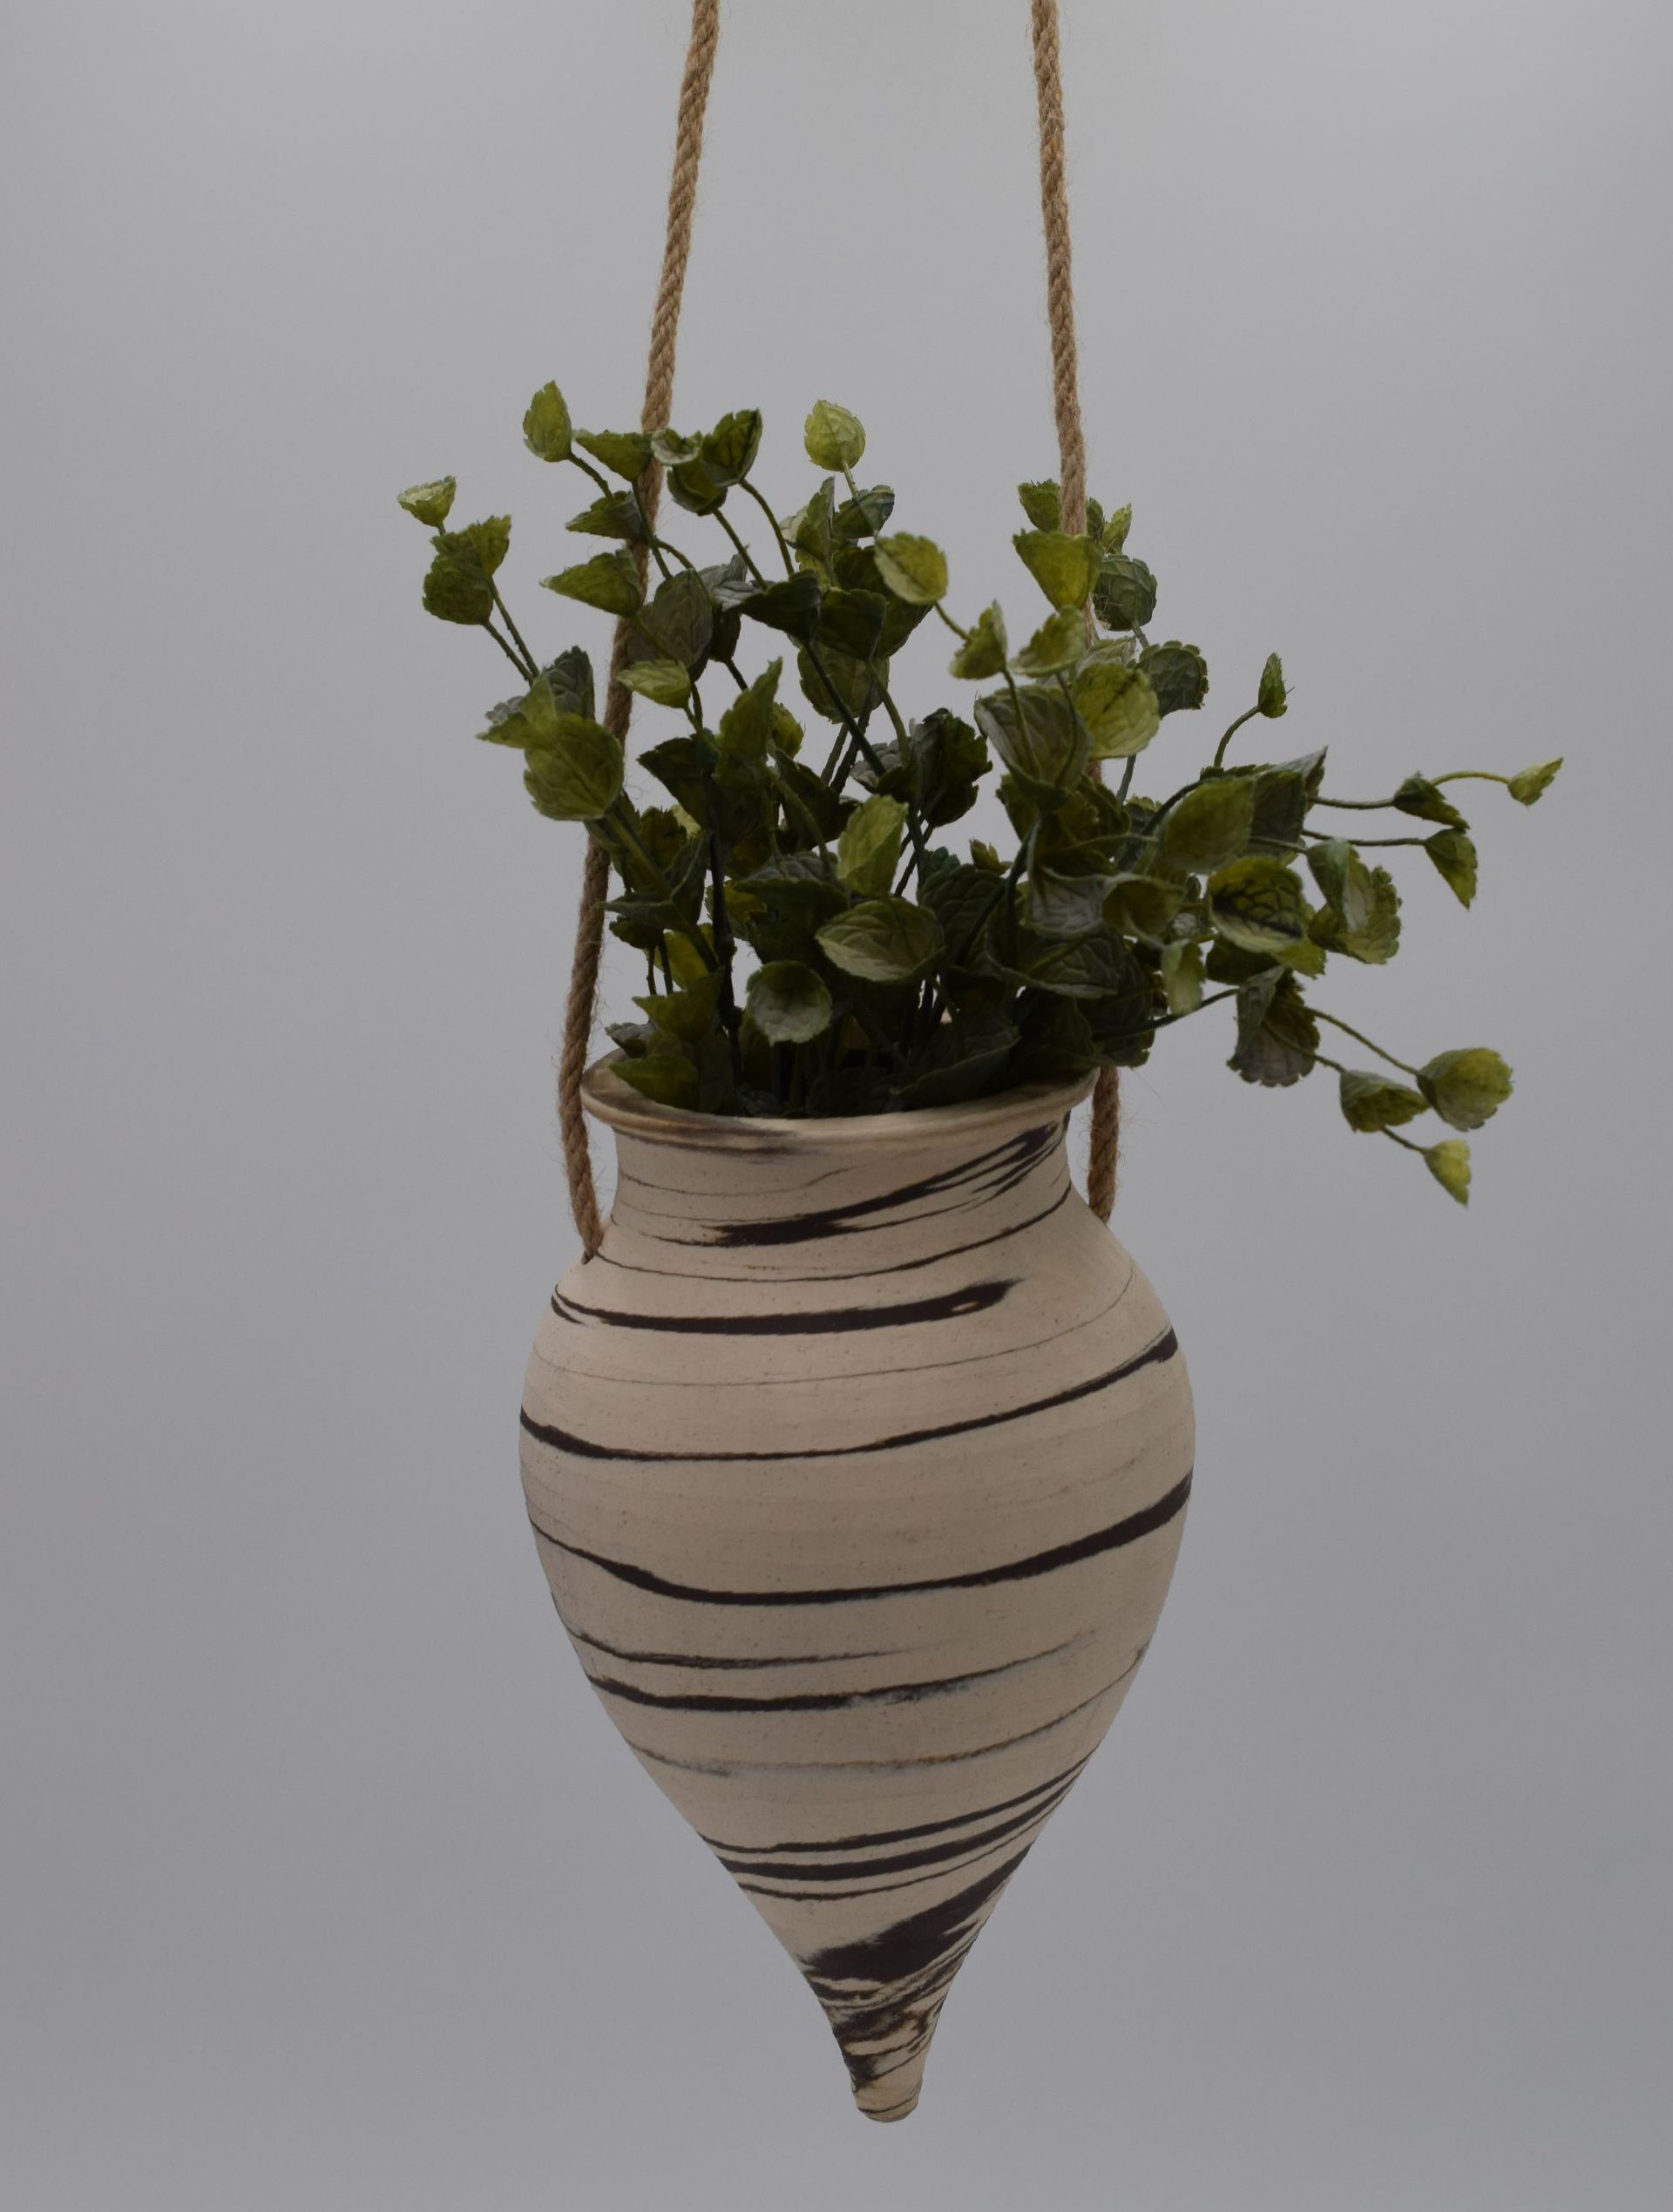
(326, 1884)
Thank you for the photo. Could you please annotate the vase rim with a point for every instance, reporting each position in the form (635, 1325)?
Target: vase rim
(618, 1106)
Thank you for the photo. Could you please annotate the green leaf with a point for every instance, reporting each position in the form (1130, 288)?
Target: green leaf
(728, 452)
(663, 1077)
(982, 651)
(1142, 906)
(1271, 699)
(882, 940)
(546, 430)
(853, 621)
(691, 486)
(431, 503)
(1099, 972)
(1124, 596)
(915, 569)
(576, 775)
(963, 899)
(1277, 1038)
(835, 438)
(1060, 642)
(1361, 916)
(1182, 975)
(1417, 796)
(1454, 856)
(1466, 1088)
(840, 687)
(1065, 906)
(789, 1002)
(811, 530)
(1042, 503)
(1210, 825)
(1178, 676)
(864, 517)
(1064, 567)
(1227, 962)
(868, 851)
(672, 451)
(800, 885)
(944, 760)
(687, 1015)
(747, 725)
(1257, 904)
(529, 722)
(1449, 1163)
(615, 514)
(1345, 881)
(459, 584)
(1284, 795)
(1525, 786)
(1375, 1102)
(677, 622)
(791, 606)
(963, 1058)
(1113, 536)
(1118, 705)
(571, 679)
(625, 453)
(608, 581)
(665, 683)
(1039, 736)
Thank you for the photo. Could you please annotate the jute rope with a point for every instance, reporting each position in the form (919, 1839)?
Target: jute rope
(659, 395)
(1071, 467)
(618, 705)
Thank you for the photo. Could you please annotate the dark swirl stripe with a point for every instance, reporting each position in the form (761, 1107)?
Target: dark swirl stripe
(1127, 1530)
(546, 1432)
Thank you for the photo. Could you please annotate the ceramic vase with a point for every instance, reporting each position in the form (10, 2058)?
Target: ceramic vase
(858, 1459)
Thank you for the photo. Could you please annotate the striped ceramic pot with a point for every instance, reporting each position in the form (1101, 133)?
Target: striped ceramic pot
(857, 1459)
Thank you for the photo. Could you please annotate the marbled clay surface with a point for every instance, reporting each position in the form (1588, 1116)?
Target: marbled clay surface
(857, 1460)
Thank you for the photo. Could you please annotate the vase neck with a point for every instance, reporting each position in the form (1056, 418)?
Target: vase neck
(832, 1203)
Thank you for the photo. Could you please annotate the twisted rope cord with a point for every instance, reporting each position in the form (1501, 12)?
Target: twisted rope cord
(619, 704)
(1071, 466)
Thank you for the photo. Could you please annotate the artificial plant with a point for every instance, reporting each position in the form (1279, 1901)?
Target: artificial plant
(812, 944)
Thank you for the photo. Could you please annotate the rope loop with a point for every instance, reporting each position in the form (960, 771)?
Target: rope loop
(658, 398)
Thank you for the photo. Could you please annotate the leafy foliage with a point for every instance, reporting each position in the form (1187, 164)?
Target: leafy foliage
(809, 947)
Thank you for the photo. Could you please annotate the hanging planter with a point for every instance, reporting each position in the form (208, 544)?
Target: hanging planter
(856, 1448)
(858, 1457)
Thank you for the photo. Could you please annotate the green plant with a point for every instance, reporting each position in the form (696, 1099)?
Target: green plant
(889, 970)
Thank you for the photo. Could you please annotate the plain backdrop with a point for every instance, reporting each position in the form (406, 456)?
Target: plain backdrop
(327, 1887)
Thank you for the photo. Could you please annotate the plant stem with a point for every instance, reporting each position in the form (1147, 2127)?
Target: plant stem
(1471, 775)
(725, 943)
(744, 554)
(957, 629)
(1126, 783)
(790, 563)
(1166, 1021)
(516, 635)
(597, 475)
(1220, 749)
(528, 675)
(1404, 1143)
(1335, 1022)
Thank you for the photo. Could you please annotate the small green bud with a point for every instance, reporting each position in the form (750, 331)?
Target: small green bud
(431, 503)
